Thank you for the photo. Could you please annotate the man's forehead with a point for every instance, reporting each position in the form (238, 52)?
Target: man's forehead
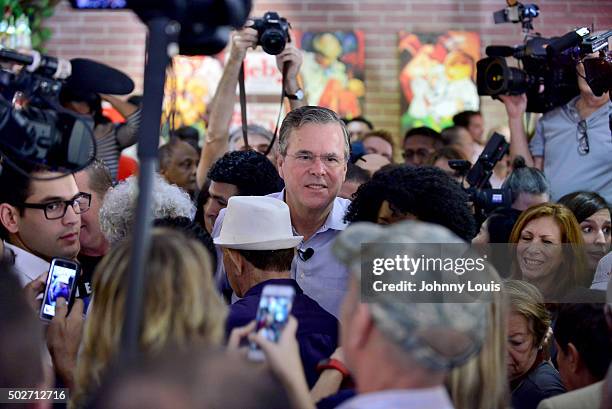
(419, 140)
(62, 187)
(222, 189)
(314, 137)
(184, 149)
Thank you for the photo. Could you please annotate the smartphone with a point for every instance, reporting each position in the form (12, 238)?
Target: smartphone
(61, 282)
(272, 315)
(99, 4)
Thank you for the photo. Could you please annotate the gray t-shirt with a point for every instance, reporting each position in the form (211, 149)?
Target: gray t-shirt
(568, 170)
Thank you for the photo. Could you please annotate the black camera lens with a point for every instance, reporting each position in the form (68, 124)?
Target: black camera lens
(494, 78)
(273, 41)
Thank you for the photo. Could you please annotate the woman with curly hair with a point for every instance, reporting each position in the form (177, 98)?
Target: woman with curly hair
(402, 192)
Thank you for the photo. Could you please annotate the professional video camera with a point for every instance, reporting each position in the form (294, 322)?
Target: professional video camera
(273, 32)
(35, 130)
(481, 195)
(598, 70)
(548, 74)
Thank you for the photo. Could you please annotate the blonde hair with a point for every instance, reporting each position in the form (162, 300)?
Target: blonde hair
(181, 306)
(525, 299)
(482, 382)
(575, 261)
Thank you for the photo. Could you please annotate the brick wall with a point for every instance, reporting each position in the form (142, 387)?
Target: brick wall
(117, 38)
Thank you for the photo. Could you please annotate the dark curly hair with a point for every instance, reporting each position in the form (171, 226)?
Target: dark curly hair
(426, 192)
(251, 172)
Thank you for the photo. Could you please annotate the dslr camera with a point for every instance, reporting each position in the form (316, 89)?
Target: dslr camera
(273, 32)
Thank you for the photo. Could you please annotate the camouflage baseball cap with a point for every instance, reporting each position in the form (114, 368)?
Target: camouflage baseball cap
(438, 335)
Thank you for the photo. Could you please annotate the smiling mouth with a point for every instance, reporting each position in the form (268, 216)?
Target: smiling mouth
(316, 186)
(532, 262)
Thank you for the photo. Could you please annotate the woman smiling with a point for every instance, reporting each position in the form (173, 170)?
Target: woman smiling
(543, 258)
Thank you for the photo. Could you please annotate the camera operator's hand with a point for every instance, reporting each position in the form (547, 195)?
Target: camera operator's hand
(64, 338)
(516, 105)
(291, 60)
(242, 40)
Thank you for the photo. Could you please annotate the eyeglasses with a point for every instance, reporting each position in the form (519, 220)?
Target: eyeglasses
(329, 160)
(57, 210)
(583, 138)
(421, 153)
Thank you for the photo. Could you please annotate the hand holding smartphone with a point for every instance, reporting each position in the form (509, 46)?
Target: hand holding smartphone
(272, 315)
(61, 282)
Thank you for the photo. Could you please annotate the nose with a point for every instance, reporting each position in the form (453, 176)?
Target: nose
(212, 209)
(601, 237)
(318, 167)
(71, 216)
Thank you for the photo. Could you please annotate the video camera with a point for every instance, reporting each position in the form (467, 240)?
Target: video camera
(35, 130)
(548, 74)
(481, 195)
(273, 32)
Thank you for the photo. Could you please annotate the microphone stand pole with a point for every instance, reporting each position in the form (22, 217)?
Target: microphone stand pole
(162, 44)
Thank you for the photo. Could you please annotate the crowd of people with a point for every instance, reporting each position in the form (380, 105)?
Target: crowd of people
(233, 218)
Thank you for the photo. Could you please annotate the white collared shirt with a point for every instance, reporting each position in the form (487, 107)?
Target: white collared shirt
(27, 266)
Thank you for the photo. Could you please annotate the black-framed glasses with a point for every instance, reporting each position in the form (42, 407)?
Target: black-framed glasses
(57, 209)
(307, 159)
(583, 138)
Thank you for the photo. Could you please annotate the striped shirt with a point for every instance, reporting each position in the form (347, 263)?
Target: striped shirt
(111, 139)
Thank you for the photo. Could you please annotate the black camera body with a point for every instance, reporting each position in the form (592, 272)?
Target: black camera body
(481, 195)
(548, 75)
(273, 32)
(548, 81)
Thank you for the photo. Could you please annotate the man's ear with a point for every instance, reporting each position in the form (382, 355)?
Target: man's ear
(573, 358)
(234, 257)
(9, 217)
(361, 326)
(280, 160)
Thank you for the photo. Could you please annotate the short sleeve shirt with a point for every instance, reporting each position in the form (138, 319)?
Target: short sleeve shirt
(557, 140)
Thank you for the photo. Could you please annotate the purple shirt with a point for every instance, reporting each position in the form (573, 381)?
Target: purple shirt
(317, 332)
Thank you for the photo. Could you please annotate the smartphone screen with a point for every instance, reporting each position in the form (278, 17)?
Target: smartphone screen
(61, 282)
(99, 4)
(272, 315)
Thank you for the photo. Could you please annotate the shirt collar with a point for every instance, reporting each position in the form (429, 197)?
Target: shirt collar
(28, 265)
(571, 110)
(257, 289)
(335, 218)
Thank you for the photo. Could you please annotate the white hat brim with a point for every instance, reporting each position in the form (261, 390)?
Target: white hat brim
(277, 244)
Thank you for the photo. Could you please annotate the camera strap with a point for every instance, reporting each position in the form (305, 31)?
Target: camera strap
(280, 110)
(243, 111)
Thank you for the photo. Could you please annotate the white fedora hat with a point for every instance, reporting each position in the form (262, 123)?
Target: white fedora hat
(257, 223)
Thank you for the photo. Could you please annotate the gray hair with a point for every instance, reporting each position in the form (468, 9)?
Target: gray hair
(118, 207)
(251, 129)
(524, 179)
(422, 329)
(100, 178)
(306, 115)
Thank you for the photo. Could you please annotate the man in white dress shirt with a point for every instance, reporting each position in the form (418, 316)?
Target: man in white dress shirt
(39, 219)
